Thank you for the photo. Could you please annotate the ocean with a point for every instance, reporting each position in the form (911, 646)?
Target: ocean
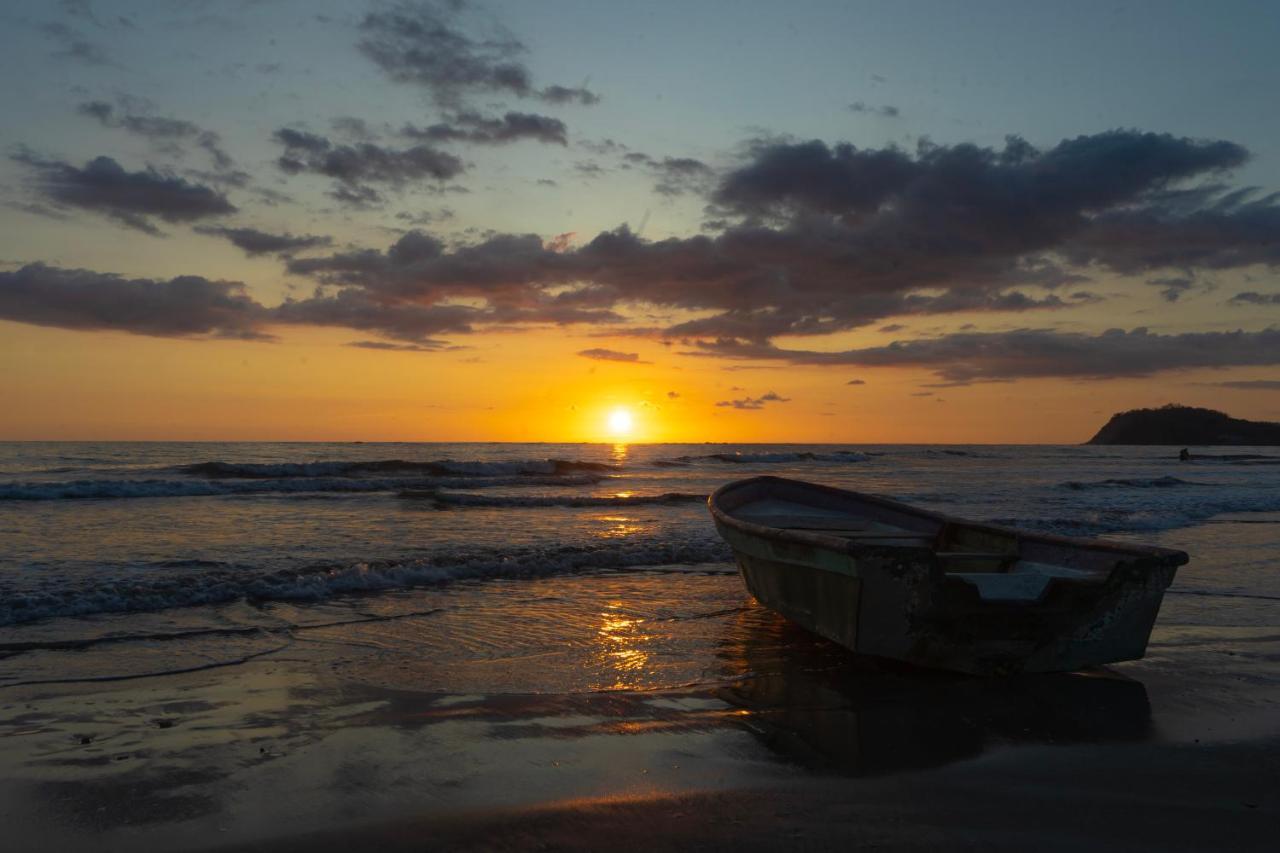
(525, 567)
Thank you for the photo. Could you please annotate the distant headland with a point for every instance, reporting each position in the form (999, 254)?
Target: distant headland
(1185, 425)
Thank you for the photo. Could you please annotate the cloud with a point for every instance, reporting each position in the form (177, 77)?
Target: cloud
(358, 167)
(1251, 297)
(883, 111)
(352, 309)
(74, 45)
(482, 130)
(856, 382)
(80, 299)
(133, 199)
(254, 242)
(1173, 287)
(601, 354)
(753, 402)
(353, 128)
(424, 346)
(821, 240)
(569, 95)
(166, 134)
(675, 175)
(967, 357)
(432, 46)
(673, 395)
(1250, 384)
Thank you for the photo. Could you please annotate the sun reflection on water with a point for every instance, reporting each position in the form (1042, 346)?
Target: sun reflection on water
(620, 526)
(621, 653)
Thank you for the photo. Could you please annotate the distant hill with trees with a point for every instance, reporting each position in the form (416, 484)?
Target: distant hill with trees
(1185, 425)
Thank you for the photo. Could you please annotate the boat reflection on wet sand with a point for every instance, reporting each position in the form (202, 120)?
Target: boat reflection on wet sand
(815, 703)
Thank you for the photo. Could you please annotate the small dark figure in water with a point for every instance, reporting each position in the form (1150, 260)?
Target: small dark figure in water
(1184, 455)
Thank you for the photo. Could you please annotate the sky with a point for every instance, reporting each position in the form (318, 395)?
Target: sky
(728, 221)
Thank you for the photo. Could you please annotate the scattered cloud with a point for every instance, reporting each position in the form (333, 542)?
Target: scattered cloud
(73, 45)
(1173, 287)
(440, 48)
(134, 199)
(1249, 384)
(673, 395)
(254, 242)
(601, 354)
(752, 403)
(168, 135)
(883, 111)
(674, 175)
(188, 305)
(356, 168)
(1254, 298)
(856, 382)
(478, 129)
(424, 346)
(968, 357)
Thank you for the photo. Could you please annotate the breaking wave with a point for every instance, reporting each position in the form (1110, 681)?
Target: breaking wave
(770, 458)
(461, 499)
(90, 489)
(390, 467)
(1132, 483)
(146, 592)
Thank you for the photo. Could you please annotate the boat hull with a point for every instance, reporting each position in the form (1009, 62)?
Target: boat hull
(899, 602)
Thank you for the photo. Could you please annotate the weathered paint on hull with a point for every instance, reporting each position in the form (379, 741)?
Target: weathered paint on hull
(896, 603)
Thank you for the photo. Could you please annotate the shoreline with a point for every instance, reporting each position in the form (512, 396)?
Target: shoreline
(810, 747)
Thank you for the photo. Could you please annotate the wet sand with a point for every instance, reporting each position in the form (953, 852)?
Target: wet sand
(756, 736)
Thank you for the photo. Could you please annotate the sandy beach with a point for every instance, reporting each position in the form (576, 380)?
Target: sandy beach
(782, 741)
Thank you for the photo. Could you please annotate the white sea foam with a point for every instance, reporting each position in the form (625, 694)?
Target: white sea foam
(144, 591)
(85, 489)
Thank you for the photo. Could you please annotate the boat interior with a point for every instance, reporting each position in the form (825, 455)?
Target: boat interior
(1001, 564)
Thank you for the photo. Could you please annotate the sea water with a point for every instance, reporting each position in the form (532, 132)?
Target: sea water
(526, 567)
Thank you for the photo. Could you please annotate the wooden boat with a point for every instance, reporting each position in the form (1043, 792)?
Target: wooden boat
(886, 579)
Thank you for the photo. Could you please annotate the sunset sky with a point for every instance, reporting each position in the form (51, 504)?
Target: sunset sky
(733, 221)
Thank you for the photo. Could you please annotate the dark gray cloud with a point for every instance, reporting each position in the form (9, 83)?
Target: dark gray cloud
(353, 309)
(478, 129)
(754, 402)
(82, 299)
(1038, 353)
(425, 217)
(357, 168)
(1252, 297)
(169, 135)
(883, 111)
(823, 240)
(569, 95)
(1172, 288)
(254, 242)
(674, 175)
(440, 48)
(134, 199)
(601, 354)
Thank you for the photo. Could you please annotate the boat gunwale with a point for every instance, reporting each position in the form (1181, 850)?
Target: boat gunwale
(852, 545)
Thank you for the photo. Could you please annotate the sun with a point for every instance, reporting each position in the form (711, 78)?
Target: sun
(621, 423)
